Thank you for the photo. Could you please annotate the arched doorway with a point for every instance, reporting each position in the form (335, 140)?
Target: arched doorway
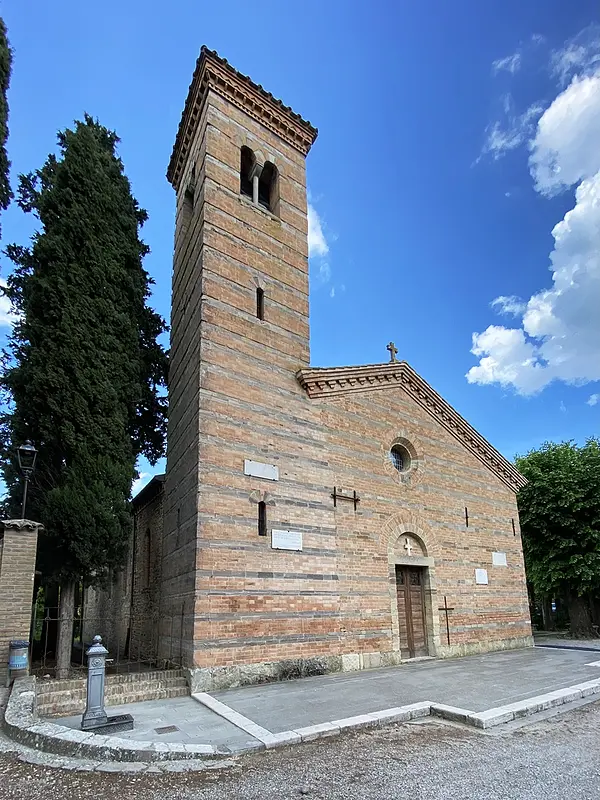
(411, 581)
(410, 599)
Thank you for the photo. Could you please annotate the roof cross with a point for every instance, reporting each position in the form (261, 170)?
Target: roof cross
(393, 350)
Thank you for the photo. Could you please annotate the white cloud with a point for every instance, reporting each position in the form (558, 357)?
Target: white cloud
(510, 132)
(580, 54)
(7, 316)
(510, 63)
(509, 305)
(559, 333)
(140, 482)
(332, 292)
(566, 146)
(325, 271)
(317, 244)
(562, 407)
(593, 399)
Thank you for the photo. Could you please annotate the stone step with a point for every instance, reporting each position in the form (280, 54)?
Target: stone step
(61, 698)
(76, 704)
(111, 688)
(147, 687)
(51, 685)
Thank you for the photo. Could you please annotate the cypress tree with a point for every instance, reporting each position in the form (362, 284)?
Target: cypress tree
(5, 70)
(84, 371)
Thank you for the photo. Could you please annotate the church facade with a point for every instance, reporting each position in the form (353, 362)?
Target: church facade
(313, 519)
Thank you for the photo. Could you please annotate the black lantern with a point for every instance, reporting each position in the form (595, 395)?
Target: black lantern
(27, 455)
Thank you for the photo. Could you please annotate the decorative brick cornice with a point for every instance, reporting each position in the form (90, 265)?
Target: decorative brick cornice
(325, 382)
(216, 74)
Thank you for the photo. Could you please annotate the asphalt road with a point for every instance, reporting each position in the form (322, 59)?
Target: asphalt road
(556, 759)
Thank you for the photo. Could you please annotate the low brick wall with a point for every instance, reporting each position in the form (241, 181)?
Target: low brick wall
(60, 698)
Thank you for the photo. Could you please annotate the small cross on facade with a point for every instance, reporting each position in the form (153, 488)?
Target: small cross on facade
(408, 546)
(393, 350)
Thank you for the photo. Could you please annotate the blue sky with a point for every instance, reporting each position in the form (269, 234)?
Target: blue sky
(453, 138)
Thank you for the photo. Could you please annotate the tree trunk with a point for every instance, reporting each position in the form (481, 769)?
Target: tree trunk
(580, 617)
(595, 607)
(65, 630)
(547, 615)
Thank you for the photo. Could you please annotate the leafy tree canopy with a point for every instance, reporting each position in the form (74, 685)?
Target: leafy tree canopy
(84, 370)
(559, 511)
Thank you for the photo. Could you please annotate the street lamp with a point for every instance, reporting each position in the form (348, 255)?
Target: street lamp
(27, 455)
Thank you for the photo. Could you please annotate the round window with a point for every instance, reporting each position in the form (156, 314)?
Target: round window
(400, 457)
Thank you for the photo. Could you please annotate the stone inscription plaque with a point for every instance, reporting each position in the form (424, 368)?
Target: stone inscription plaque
(286, 540)
(499, 559)
(258, 470)
(481, 576)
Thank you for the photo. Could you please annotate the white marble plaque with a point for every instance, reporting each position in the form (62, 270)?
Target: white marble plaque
(286, 540)
(481, 576)
(258, 470)
(499, 559)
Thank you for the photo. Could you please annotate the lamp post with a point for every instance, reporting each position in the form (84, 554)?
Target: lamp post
(27, 455)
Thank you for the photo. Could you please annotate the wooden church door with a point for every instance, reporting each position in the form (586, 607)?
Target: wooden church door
(411, 609)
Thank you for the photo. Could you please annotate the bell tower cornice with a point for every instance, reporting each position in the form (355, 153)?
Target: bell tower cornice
(214, 73)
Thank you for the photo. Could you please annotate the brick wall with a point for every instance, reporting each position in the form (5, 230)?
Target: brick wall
(234, 395)
(17, 573)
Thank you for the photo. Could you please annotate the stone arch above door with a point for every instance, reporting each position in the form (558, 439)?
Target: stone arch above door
(411, 525)
(409, 548)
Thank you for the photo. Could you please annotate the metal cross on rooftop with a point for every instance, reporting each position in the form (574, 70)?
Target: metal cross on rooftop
(393, 350)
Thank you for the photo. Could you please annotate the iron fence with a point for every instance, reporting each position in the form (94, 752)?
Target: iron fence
(135, 644)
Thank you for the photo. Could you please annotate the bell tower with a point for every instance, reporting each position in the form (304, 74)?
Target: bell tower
(239, 335)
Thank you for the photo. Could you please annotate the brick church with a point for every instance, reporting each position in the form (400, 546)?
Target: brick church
(310, 519)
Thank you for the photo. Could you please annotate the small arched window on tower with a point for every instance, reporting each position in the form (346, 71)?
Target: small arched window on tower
(246, 165)
(268, 188)
(262, 518)
(260, 303)
(187, 207)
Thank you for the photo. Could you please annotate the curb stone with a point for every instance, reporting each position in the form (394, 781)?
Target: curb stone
(111, 754)
(22, 725)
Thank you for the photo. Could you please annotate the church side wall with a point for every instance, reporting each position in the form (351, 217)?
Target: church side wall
(147, 572)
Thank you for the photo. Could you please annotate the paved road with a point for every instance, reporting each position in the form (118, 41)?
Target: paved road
(556, 759)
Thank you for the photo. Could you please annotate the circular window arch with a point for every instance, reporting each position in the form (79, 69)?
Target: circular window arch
(400, 457)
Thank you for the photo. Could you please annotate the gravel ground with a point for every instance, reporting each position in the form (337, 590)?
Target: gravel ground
(554, 759)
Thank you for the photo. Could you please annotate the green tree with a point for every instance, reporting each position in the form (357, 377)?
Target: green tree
(559, 511)
(84, 370)
(5, 70)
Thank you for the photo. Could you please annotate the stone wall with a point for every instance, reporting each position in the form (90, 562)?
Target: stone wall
(125, 610)
(145, 602)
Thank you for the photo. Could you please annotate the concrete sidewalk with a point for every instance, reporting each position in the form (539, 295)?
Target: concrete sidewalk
(477, 683)
(248, 717)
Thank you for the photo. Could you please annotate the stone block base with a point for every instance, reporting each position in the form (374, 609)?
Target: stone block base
(115, 724)
(475, 648)
(213, 679)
